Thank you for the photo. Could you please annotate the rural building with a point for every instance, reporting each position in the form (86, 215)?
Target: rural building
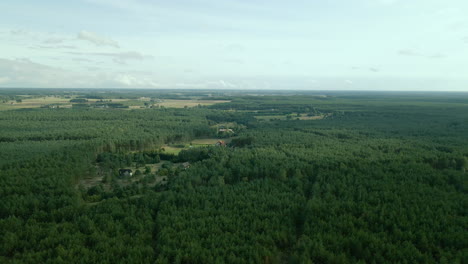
(186, 165)
(220, 143)
(226, 130)
(125, 172)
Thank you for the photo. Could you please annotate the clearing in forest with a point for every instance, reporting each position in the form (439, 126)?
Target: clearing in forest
(290, 117)
(201, 142)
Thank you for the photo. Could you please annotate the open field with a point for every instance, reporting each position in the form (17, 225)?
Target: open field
(189, 103)
(204, 141)
(131, 103)
(292, 117)
(62, 102)
(36, 102)
(97, 179)
(172, 150)
(171, 103)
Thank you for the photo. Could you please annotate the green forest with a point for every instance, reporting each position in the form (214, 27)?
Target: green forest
(280, 177)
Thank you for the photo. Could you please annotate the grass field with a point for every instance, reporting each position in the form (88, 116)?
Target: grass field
(172, 150)
(204, 142)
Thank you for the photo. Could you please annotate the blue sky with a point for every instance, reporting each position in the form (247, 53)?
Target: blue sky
(256, 44)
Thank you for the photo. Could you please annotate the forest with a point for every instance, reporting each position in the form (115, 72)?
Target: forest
(253, 177)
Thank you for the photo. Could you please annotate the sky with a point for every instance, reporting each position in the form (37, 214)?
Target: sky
(414, 45)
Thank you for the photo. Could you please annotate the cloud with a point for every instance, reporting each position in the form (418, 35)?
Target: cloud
(53, 47)
(18, 32)
(226, 84)
(118, 57)
(412, 53)
(130, 80)
(219, 84)
(234, 61)
(234, 47)
(4, 79)
(406, 52)
(436, 56)
(372, 69)
(26, 73)
(53, 41)
(82, 60)
(388, 2)
(97, 39)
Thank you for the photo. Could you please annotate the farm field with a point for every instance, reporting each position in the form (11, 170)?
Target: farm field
(35, 103)
(189, 103)
(299, 177)
(62, 102)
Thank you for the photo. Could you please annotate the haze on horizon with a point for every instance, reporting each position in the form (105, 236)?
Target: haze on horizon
(257, 44)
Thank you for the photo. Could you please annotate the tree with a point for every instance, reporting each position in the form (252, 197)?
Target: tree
(157, 159)
(147, 170)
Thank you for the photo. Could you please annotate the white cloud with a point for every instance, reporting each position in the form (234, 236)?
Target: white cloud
(412, 53)
(130, 80)
(97, 39)
(387, 2)
(26, 73)
(226, 84)
(19, 32)
(4, 80)
(234, 47)
(118, 57)
(406, 52)
(53, 47)
(372, 69)
(53, 41)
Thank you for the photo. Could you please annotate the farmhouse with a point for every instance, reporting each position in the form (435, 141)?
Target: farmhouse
(186, 165)
(220, 143)
(125, 172)
(226, 130)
